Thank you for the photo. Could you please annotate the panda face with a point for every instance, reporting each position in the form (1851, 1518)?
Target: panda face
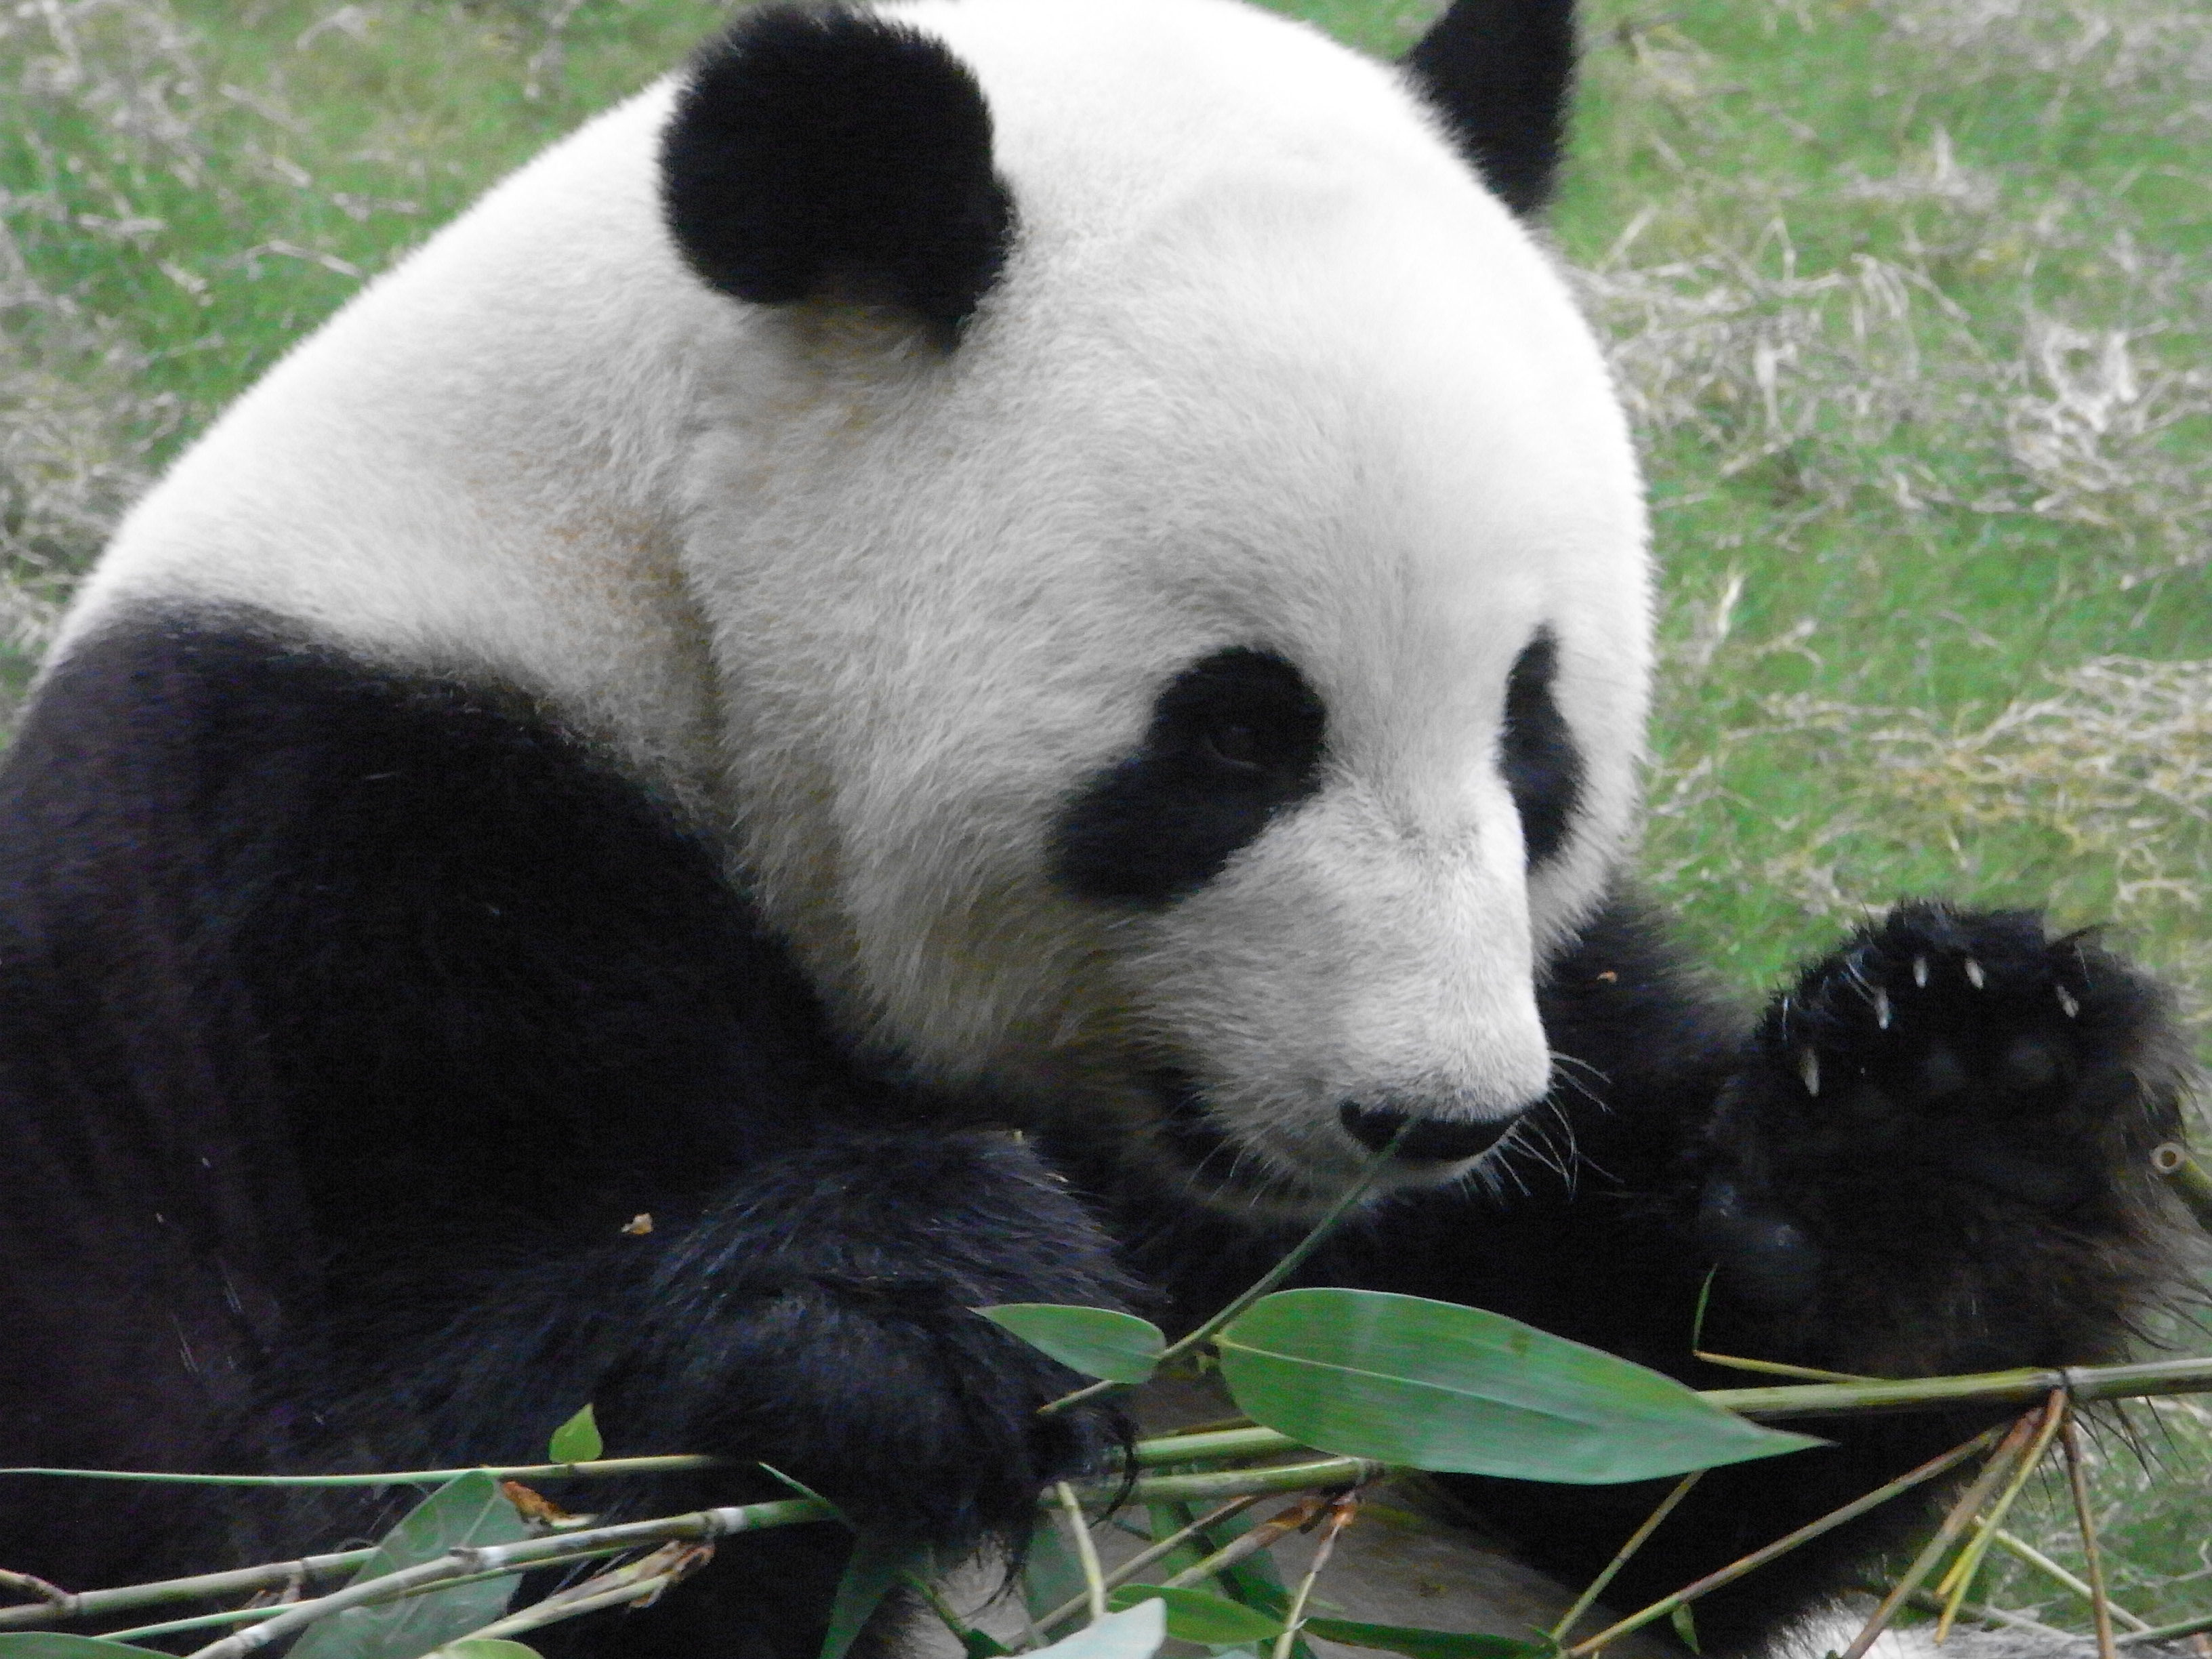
(1197, 700)
(1142, 564)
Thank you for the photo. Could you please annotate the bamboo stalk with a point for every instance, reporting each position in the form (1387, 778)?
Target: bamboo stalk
(2077, 1479)
(1341, 1513)
(2190, 1627)
(2001, 1464)
(204, 1587)
(1086, 1549)
(2024, 1387)
(1235, 1483)
(599, 1468)
(1267, 1281)
(470, 1560)
(2021, 1548)
(1596, 1587)
(1144, 1558)
(1960, 1578)
(1238, 1549)
(1758, 1557)
(2190, 1181)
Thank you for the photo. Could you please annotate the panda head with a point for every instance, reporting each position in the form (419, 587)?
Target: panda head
(1176, 562)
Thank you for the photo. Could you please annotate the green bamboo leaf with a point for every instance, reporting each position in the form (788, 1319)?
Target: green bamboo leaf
(1134, 1633)
(577, 1440)
(878, 1562)
(1194, 1616)
(1686, 1626)
(1051, 1576)
(1431, 1385)
(1419, 1644)
(54, 1645)
(484, 1647)
(1099, 1342)
(468, 1510)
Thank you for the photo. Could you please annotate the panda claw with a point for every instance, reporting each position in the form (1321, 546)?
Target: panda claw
(2066, 1003)
(1808, 1067)
(1881, 1009)
(1920, 971)
(1975, 976)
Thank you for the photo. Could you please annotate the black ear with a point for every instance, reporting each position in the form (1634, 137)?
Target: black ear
(1499, 71)
(819, 151)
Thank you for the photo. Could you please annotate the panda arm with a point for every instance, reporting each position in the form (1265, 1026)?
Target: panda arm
(1957, 1180)
(351, 1016)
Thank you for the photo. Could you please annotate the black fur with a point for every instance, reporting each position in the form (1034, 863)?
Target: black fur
(820, 152)
(1542, 767)
(1898, 1223)
(1500, 73)
(1234, 740)
(349, 1014)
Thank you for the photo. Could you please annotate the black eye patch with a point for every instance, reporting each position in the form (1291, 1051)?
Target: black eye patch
(1537, 753)
(1234, 738)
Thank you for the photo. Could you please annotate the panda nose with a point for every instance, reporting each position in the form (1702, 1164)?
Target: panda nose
(1431, 1140)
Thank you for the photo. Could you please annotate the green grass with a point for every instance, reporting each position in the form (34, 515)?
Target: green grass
(1887, 264)
(1912, 298)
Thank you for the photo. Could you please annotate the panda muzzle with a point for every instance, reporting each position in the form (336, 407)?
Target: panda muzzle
(1429, 1139)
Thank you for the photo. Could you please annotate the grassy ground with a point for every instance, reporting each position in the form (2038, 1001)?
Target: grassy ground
(1912, 300)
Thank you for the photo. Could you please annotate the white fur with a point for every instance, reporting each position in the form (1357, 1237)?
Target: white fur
(1266, 368)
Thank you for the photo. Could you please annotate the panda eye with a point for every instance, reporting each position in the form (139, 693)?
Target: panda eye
(1537, 753)
(1234, 739)
(1233, 743)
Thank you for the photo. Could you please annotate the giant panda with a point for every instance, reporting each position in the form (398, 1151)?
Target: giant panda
(963, 654)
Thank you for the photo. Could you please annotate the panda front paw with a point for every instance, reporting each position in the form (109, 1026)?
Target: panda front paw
(1946, 1106)
(822, 1321)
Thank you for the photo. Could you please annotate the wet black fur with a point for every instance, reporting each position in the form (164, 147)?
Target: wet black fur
(349, 1014)
(822, 152)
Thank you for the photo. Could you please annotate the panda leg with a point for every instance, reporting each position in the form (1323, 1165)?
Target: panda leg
(350, 1020)
(1930, 1155)
(818, 1317)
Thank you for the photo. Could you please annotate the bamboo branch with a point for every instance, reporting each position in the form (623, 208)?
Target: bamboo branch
(2022, 1387)
(1982, 1613)
(1086, 1550)
(1341, 1513)
(2190, 1181)
(1246, 1484)
(1969, 1502)
(598, 1469)
(1596, 1587)
(1758, 1557)
(2190, 1627)
(1260, 1287)
(631, 1584)
(2001, 1464)
(2077, 1479)
(2020, 1547)
(470, 1559)
(93, 1604)
(1145, 1557)
(1328, 1473)
(1960, 1579)
(2026, 1385)
(1268, 1532)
